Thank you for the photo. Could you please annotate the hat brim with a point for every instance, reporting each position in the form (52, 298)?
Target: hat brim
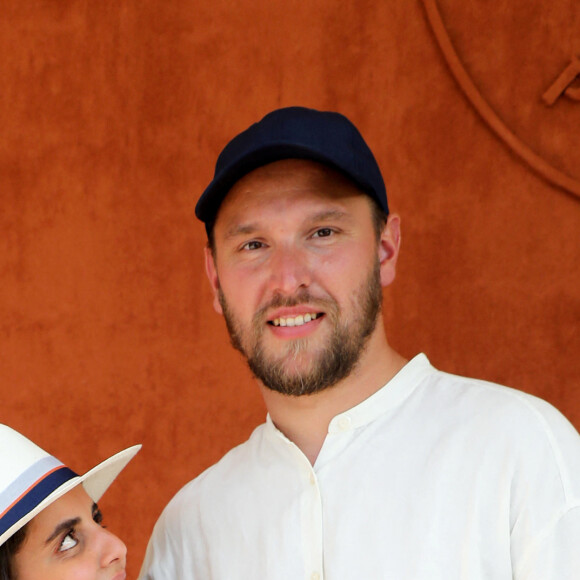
(96, 481)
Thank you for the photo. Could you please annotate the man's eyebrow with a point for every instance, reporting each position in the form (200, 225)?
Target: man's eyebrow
(240, 230)
(329, 214)
(63, 527)
(252, 227)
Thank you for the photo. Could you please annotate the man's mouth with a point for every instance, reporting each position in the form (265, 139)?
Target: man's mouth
(295, 320)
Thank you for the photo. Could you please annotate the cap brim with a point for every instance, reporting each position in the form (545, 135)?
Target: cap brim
(208, 204)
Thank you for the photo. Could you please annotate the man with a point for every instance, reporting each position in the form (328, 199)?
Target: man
(368, 466)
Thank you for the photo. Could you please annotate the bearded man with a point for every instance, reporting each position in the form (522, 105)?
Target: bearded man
(368, 465)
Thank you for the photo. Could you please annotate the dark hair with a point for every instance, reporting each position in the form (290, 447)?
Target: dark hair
(7, 552)
(380, 217)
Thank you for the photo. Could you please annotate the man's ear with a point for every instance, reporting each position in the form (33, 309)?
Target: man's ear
(389, 245)
(211, 271)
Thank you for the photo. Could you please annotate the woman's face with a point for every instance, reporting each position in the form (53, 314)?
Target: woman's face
(66, 541)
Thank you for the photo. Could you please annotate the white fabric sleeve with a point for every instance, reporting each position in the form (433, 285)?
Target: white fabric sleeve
(556, 553)
(160, 557)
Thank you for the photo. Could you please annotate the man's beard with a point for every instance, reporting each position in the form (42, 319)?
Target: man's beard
(335, 362)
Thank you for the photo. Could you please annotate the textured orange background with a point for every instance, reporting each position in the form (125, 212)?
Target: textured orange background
(111, 116)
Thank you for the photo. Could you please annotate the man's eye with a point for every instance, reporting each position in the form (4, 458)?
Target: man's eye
(253, 245)
(322, 233)
(68, 542)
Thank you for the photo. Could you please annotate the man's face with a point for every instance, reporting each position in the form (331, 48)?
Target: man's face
(296, 273)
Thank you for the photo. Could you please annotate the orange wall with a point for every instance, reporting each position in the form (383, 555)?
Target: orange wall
(111, 116)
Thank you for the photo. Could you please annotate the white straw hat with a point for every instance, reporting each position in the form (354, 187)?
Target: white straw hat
(31, 479)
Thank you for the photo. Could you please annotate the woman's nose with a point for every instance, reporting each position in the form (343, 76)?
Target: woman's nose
(113, 549)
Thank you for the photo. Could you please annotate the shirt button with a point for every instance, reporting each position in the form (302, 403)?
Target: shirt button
(315, 576)
(344, 423)
(312, 479)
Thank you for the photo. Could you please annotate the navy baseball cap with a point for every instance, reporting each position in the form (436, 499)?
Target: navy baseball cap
(294, 133)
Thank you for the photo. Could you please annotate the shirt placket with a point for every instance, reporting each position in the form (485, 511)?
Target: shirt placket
(312, 526)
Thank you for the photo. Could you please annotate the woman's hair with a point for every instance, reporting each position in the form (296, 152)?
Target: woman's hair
(7, 552)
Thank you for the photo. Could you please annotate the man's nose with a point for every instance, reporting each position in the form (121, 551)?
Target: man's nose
(289, 271)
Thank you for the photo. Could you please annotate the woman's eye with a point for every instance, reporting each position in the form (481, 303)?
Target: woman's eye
(322, 233)
(68, 542)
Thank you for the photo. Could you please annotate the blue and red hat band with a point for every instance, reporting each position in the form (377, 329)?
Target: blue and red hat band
(34, 495)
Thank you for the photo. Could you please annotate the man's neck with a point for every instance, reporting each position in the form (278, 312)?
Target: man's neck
(305, 419)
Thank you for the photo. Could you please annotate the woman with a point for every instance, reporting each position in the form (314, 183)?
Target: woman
(50, 526)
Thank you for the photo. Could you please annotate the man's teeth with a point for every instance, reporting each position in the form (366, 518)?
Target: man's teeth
(295, 321)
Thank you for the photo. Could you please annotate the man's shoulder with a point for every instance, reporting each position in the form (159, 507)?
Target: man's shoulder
(235, 465)
(501, 407)
(490, 394)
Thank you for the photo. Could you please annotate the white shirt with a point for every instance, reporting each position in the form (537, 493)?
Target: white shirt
(433, 477)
